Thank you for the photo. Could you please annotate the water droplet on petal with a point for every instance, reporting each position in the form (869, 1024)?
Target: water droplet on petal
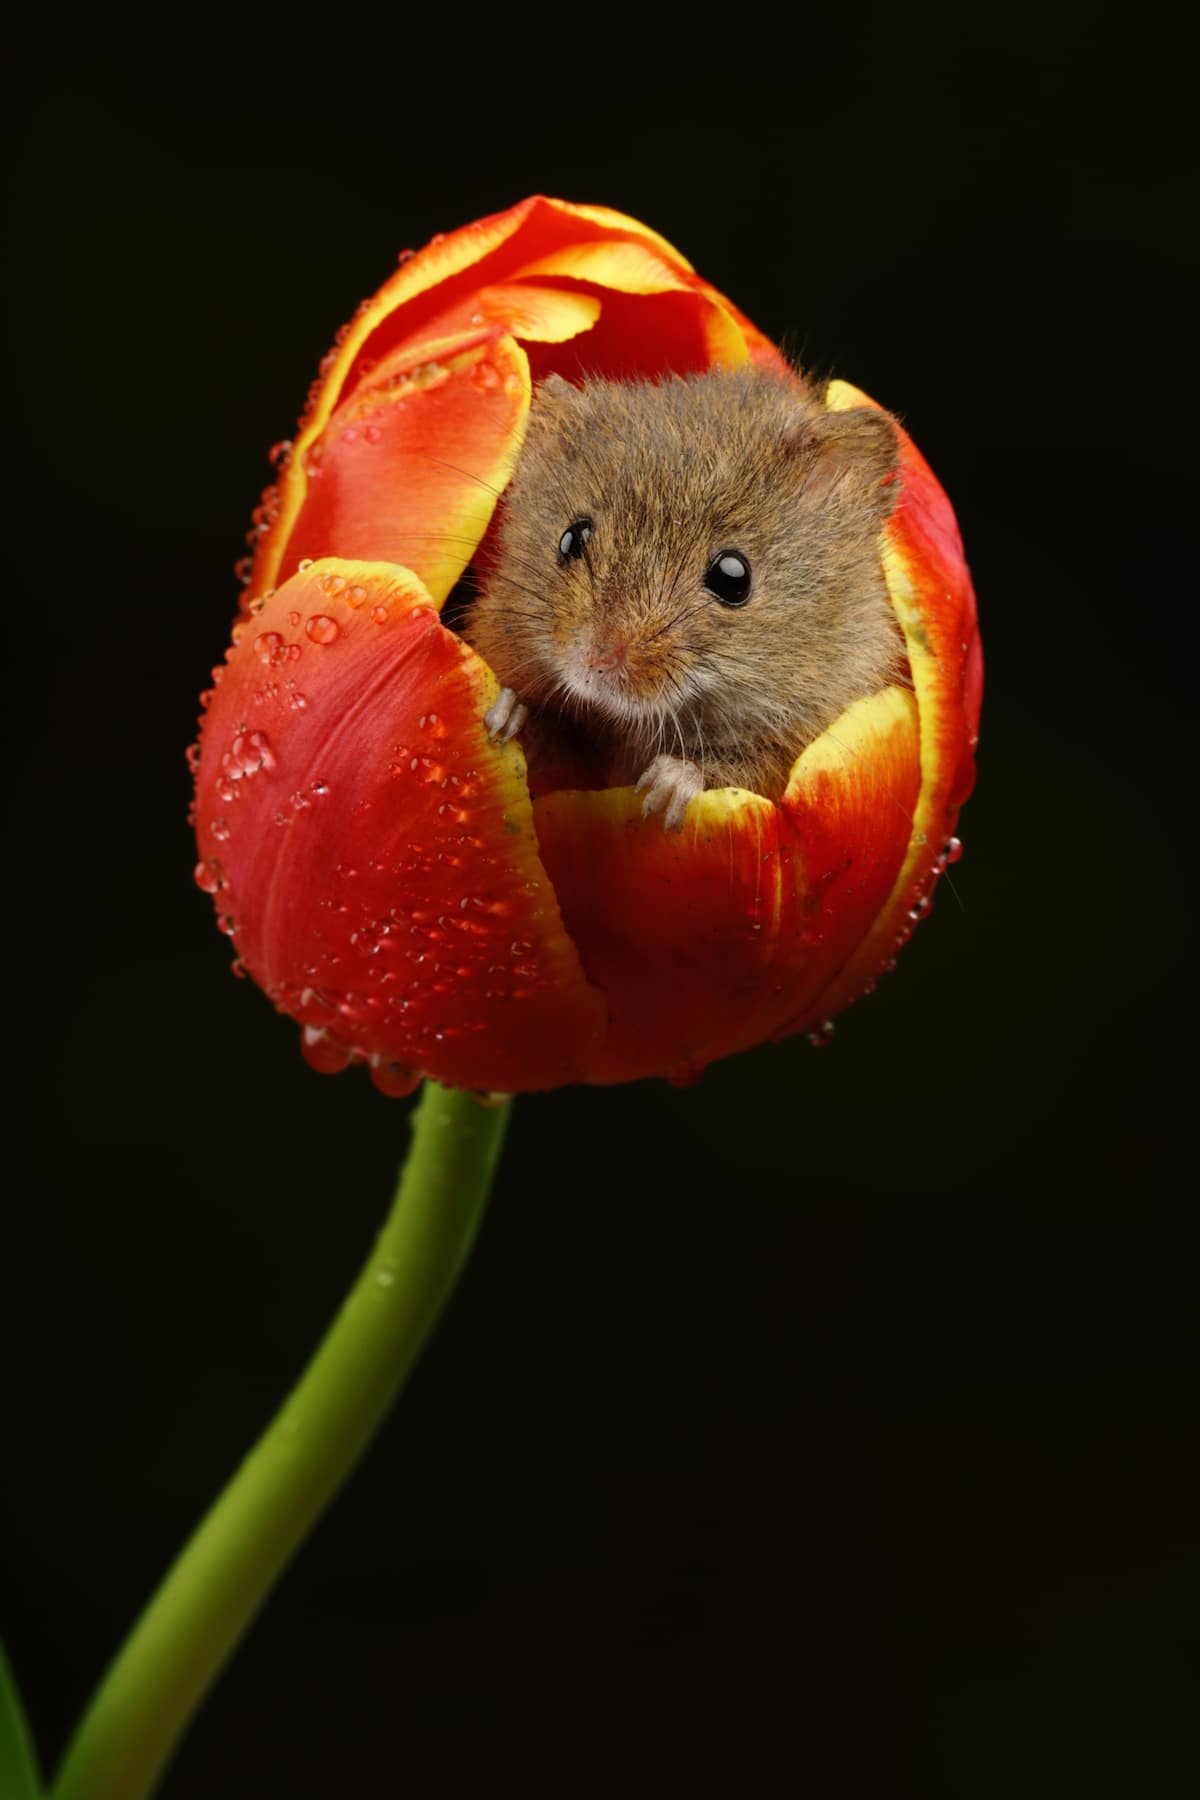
(322, 1052)
(322, 629)
(302, 568)
(951, 851)
(821, 1035)
(394, 1078)
(208, 876)
(267, 646)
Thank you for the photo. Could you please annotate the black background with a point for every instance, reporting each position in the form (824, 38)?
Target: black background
(822, 1429)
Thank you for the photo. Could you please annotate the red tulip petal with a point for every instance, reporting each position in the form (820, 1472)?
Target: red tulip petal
(375, 853)
(409, 468)
(851, 801)
(708, 939)
(434, 294)
(931, 590)
(676, 928)
(433, 287)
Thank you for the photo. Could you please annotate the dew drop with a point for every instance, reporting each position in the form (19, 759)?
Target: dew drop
(303, 567)
(328, 1055)
(951, 851)
(394, 1078)
(280, 454)
(821, 1035)
(208, 876)
(322, 629)
(354, 596)
(379, 614)
(220, 830)
(267, 647)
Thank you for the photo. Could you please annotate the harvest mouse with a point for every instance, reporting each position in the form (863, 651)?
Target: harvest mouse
(691, 570)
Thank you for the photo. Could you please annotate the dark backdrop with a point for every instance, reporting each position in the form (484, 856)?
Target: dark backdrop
(821, 1430)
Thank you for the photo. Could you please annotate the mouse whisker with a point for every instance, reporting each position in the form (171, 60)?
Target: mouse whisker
(456, 469)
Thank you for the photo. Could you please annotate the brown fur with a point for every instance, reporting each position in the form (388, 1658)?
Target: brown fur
(671, 474)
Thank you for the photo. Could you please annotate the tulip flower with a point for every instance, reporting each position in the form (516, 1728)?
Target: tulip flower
(384, 870)
(389, 878)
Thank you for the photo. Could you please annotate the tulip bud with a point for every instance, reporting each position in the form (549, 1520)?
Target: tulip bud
(381, 866)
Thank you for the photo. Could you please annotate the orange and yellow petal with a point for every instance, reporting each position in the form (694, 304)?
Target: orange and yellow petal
(409, 468)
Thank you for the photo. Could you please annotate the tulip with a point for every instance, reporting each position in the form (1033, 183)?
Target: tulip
(389, 879)
(383, 869)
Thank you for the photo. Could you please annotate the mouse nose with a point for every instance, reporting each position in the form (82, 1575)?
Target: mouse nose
(607, 656)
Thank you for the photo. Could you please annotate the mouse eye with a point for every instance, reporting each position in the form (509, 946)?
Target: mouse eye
(727, 578)
(570, 544)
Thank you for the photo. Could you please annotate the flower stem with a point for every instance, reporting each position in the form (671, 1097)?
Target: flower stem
(225, 1572)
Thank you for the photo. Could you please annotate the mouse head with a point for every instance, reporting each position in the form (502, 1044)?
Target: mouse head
(695, 548)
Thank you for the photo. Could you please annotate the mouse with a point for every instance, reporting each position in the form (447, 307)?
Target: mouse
(688, 570)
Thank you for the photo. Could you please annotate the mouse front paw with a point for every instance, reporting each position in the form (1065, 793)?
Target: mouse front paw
(505, 716)
(670, 785)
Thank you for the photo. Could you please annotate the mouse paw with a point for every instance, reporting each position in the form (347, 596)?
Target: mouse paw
(505, 716)
(671, 785)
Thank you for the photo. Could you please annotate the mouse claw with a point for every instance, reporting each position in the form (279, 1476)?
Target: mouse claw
(672, 785)
(505, 717)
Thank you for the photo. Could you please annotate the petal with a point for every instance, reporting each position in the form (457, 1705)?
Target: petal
(851, 800)
(538, 314)
(619, 268)
(931, 590)
(677, 928)
(709, 939)
(409, 469)
(453, 268)
(436, 294)
(375, 853)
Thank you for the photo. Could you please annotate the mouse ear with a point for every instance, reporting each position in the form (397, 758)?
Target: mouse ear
(554, 387)
(852, 454)
(554, 400)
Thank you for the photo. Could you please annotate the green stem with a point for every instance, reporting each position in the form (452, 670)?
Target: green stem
(222, 1576)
